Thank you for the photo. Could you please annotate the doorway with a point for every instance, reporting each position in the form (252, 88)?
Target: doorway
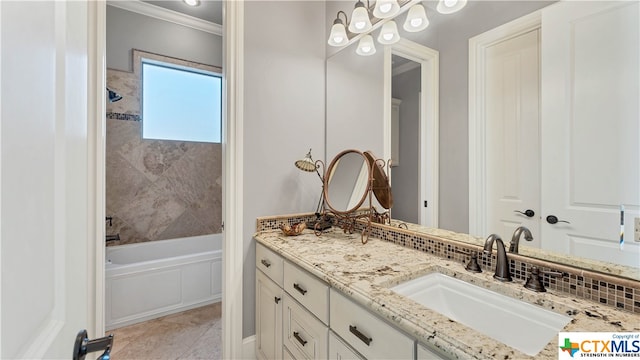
(420, 164)
(189, 206)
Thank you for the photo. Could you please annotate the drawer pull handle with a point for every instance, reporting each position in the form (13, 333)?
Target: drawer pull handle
(277, 299)
(300, 340)
(354, 330)
(301, 290)
(265, 263)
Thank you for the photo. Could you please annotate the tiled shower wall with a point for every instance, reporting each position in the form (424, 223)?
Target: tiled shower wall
(156, 189)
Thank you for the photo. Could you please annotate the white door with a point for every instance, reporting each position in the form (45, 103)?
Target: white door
(590, 128)
(513, 135)
(47, 261)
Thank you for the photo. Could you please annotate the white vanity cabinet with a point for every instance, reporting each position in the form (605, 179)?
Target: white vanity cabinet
(298, 316)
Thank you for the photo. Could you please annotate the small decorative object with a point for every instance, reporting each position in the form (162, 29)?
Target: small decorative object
(293, 230)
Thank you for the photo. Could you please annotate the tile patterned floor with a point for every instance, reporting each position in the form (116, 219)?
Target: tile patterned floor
(193, 334)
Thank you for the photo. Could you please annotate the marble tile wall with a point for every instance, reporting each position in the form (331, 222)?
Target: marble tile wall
(156, 189)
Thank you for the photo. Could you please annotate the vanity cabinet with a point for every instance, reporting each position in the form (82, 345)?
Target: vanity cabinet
(298, 316)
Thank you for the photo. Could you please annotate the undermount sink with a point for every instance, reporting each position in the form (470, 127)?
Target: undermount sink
(521, 325)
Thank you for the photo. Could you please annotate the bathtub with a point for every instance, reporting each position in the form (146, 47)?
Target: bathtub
(152, 279)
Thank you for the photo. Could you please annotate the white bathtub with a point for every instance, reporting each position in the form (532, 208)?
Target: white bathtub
(157, 278)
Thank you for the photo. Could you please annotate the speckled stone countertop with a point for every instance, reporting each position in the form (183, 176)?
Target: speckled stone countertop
(366, 272)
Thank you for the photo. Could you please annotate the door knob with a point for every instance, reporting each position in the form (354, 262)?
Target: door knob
(528, 212)
(552, 219)
(82, 346)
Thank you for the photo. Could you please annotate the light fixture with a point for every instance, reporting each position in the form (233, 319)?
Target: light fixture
(386, 8)
(307, 164)
(366, 47)
(192, 2)
(450, 6)
(364, 20)
(416, 19)
(338, 36)
(360, 22)
(113, 96)
(389, 33)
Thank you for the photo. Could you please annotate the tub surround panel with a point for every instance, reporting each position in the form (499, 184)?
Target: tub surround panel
(605, 289)
(364, 273)
(157, 189)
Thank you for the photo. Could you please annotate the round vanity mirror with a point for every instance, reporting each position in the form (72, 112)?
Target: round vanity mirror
(346, 182)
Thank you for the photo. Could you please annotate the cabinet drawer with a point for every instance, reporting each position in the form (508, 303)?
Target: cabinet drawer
(269, 263)
(310, 291)
(339, 350)
(365, 332)
(304, 335)
(427, 353)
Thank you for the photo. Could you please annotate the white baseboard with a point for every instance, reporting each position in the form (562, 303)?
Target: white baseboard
(249, 347)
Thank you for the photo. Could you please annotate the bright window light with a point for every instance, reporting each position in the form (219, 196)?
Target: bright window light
(180, 103)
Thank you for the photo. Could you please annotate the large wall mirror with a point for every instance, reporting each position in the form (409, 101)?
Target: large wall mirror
(363, 79)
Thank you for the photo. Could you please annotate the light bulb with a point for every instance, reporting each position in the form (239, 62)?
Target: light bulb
(450, 3)
(385, 9)
(360, 22)
(192, 2)
(338, 34)
(450, 6)
(366, 46)
(416, 19)
(389, 33)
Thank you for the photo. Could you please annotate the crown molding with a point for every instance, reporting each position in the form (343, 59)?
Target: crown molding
(175, 17)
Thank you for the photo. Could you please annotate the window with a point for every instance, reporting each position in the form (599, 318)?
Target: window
(180, 103)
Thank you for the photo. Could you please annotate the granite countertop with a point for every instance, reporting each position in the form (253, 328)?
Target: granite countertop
(366, 272)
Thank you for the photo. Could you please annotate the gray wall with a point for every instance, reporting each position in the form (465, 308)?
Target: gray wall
(406, 87)
(449, 34)
(127, 30)
(283, 117)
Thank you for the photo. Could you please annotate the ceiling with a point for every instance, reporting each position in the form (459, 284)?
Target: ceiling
(208, 10)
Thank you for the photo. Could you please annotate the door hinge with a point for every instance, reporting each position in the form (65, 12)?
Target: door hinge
(222, 226)
(425, 203)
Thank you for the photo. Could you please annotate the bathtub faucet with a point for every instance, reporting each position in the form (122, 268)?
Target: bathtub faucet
(115, 237)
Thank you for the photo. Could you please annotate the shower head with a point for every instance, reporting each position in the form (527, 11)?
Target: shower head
(113, 96)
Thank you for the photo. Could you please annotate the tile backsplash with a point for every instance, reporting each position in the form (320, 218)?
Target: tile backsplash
(603, 288)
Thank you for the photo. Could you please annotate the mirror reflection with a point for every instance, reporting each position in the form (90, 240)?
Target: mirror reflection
(346, 182)
(602, 177)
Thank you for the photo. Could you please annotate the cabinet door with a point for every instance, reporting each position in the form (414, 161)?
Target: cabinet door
(590, 127)
(268, 318)
(305, 336)
(339, 350)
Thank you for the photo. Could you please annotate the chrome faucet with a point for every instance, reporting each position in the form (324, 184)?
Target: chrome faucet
(515, 239)
(502, 262)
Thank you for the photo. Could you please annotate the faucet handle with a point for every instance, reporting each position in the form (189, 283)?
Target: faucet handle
(472, 265)
(534, 281)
